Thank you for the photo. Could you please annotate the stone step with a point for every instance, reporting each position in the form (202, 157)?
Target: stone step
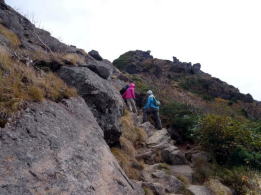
(158, 137)
(183, 171)
(199, 190)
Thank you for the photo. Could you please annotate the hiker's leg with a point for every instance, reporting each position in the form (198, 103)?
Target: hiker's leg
(145, 115)
(133, 104)
(157, 118)
(129, 104)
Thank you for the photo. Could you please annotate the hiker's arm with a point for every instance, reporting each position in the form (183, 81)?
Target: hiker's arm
(133, 93)
(147, 104)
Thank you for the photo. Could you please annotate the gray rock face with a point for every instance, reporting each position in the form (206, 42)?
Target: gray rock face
(104, 100)
(58, 148)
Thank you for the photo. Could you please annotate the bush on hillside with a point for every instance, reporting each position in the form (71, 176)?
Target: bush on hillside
(241, 179)
(181, 118)
(230, 141)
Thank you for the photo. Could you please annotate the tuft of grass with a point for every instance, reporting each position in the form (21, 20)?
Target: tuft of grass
(127, 146)
(73, 58)
(184, 179)
(36, 93)
(10, 36)
(134, 134)
(163, 166)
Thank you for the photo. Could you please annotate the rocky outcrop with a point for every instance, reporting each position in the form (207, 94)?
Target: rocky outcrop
(196, 68)
(185, 67)
(132, 61)
(103, 99)
(58, 148)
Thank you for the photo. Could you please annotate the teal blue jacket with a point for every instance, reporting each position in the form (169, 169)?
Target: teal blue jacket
(151, 103)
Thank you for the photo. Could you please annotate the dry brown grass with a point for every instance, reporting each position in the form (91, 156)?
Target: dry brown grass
(130, 165)
(137, 136)
(20, 83)
(132, 138)
(217, 187)
(10, 36)
(73, 58)
(40, 54)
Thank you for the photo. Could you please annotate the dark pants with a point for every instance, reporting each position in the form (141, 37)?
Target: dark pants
(155, 115)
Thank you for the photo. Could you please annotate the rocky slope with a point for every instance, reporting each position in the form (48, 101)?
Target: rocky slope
(56, 141)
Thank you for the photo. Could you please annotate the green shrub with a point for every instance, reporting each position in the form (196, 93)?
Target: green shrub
(122, 61)
(180, 117)
(141, 85)
(230, 141)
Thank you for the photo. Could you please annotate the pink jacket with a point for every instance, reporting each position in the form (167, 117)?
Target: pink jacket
(130, 92)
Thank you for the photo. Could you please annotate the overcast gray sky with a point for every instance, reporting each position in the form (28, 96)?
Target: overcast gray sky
(223, 35)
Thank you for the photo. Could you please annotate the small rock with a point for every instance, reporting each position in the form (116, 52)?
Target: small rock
(149, 128)
(157, 188)
(173, 156)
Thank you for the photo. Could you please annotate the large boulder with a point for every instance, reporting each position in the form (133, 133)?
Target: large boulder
(95, 55)
(58, 148)
(103, 68)
(103, 99)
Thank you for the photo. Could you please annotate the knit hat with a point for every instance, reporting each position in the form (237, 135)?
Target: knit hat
(149, 92)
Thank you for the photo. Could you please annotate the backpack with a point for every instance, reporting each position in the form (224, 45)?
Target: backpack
(157, 102)
(122, 91)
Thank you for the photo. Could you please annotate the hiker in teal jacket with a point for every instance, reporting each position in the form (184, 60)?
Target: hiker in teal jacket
(152, 107)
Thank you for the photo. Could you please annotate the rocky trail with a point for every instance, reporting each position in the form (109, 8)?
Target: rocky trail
(166, 167)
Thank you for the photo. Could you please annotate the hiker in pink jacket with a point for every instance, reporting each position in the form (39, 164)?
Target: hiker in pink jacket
(129, 96)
